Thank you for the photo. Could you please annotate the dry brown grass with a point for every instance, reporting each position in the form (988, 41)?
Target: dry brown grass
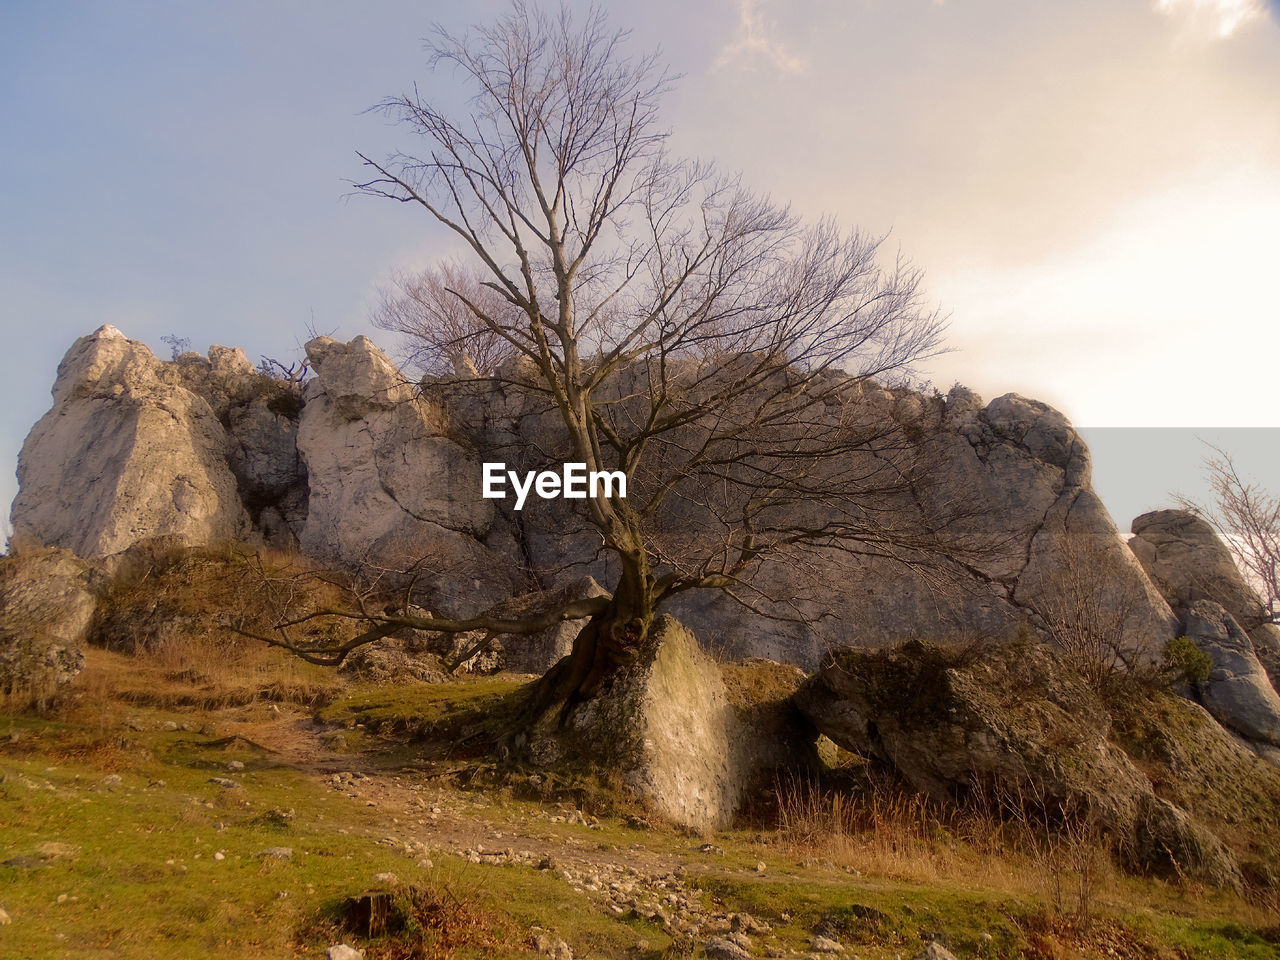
(882, 828)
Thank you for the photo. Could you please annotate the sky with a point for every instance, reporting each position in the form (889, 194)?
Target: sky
(1091, 186)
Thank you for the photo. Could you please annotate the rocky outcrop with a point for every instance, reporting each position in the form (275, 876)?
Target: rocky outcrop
(1238, 692)
(1012, 720)
(393, 486)
(1015, 466)
(371, 472)
(1187, 561)
(126, 453)
(47, 601)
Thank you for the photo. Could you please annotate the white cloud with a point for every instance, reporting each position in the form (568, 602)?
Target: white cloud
(755, 39)
(1222, 17)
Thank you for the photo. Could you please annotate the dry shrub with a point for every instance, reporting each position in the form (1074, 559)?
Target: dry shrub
(436, 920)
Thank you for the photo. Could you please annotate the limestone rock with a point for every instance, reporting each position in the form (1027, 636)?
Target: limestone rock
(388, 484)
(124, 454)
(1167, 842)
(1018, 467)
(689, 737)
(47, 601)
(1238, 692)
(663, 724)
(946, 719)
(1187, 561)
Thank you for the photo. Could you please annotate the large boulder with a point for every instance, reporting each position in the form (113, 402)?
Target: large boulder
(1238, 692)
(1016, 720)
(47, 602)
(676, 736)
(124, 454)
(1187, 561)
(392, 485)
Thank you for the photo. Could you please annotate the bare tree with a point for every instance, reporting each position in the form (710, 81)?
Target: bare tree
(689, 333)
(439, 333)
(1247, 518)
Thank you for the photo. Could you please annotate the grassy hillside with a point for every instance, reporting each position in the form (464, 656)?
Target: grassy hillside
(225, 799)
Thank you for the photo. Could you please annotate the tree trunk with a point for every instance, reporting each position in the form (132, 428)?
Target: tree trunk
(609, 642)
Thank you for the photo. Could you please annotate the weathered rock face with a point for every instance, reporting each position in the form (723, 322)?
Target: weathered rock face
(366, 469)
(125, 453)
(47, 600)
(1238, 692)
(676, 736)
(1018, 468)
(1011, 719)
(665, 726)
(390, 486)
(1187, 561)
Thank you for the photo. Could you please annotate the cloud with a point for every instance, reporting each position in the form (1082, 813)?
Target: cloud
(1222, 17)
(755, 41)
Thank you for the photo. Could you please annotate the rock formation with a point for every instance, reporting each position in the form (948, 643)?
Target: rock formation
(1238, 692)
(1187, 561)
(126, 453)
(47, 601)
(391, 485)
(1015, 722)
(367, 470)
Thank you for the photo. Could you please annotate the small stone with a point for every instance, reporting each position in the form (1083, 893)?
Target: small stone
(5, 919)
(235, 766)
(748, 924)
(168, 726)
(552, 947)
(425, 864)
(825, 945)
(760, 867)
(935, 951)
(224, 782)
(342, 951)
(277, 853)
(111, 780)
(388, 878)
(219, 856)
(717, 948)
